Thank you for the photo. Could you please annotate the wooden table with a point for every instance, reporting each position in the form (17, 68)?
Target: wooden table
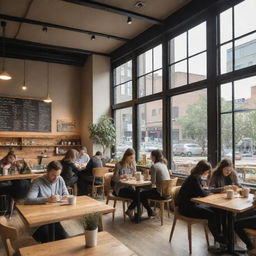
(24, 176)
(50, 213)
(75, 246)
(231, 206)
(138, 186)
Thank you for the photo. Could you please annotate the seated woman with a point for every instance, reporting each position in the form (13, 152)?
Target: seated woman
(16, 188)
(86, 176)
(127, 166)
(192, 187)
(240, 225)
(47, 189)
(69, 170)
(159, 172)
(224, 175)
(82, 158)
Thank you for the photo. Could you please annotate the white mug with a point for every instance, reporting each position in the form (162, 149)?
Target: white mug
(138, 176)
(5, 171)
(230, 193)
(58, 198)
(245, 192)
(71, 199)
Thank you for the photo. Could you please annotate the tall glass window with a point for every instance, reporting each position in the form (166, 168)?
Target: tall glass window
(237, 42)
(123, 123)
(188, 130)
(123, 82)
(238, 126)
(150, 72)
(150, 119)
(187, 61)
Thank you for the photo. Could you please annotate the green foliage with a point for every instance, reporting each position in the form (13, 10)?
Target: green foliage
(103, 133)
(91, 222)
(194, 123)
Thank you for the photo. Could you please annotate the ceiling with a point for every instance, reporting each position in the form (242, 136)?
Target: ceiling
(82, 17)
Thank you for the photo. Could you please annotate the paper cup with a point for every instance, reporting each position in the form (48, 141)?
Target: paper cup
(72, 200)
(230, 193)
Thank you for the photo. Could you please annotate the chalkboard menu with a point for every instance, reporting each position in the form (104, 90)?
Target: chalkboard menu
(24, 115)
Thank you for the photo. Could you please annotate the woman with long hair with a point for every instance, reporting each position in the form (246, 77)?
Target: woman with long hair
(224, 175)
(69, 170)
(159, 172)
(193, 187)
(127, 166)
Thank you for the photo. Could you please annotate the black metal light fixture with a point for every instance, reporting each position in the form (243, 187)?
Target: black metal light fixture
(129, 20)
(93, 37)
(24, 86)
(4, 75)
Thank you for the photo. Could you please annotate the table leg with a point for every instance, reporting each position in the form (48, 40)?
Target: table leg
(100, 227)
(51, 231)
(230, 231)
(137, 216)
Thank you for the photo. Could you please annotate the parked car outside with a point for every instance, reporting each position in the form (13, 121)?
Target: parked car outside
(188, 149)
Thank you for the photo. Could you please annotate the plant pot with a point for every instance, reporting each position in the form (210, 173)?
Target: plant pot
(91, 237)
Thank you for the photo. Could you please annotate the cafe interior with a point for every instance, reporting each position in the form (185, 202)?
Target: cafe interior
(127, 127)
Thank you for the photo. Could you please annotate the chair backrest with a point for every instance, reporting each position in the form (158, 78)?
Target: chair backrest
(8, 235)
(167, 185)
(108, 178)
(100, 172)
(175, 193)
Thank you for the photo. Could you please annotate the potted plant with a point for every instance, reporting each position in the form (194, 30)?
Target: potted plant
(91, 223)
(103, 133)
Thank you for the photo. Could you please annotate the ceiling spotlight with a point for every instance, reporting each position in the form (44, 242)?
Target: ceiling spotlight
(93, 37)
(129, 20)
(44, 29)
(140, 4)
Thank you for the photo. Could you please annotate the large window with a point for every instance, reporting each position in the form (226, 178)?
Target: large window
(223, 101)
(238, 37)
(149, 127)
(150, 72)
(123, 82)
(188, 130)
(188, 57)
(238, 126)
(123, 123)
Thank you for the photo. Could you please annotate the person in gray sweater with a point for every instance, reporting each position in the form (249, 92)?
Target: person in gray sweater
(159, 172)
(48, 189)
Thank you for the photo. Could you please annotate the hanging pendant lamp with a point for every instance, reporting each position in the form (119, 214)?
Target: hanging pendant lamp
(4, 75)
(48, 98)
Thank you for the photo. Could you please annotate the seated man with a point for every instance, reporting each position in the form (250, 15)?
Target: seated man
(86, 176)
(82, 158)
(240, 225)
(47, 189)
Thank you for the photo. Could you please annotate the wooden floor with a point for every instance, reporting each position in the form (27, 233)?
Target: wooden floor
(147, 238)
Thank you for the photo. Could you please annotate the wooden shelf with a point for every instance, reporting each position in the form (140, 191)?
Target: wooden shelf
(68, 146)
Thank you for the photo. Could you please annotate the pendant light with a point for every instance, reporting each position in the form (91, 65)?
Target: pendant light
(24, 86)
(4, 75)
(48, 98)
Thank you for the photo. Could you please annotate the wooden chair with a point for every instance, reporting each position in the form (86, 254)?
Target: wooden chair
(8, 235)
(72, 189)
(98, 173)
(166, 190)
(252, 234)
(190, 221)
(110, 196)
(11, 240)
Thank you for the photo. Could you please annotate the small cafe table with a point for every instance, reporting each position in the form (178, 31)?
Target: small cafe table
(75, 246)
(138, 186)
(50, 213)
(231, 206)
(24, 176)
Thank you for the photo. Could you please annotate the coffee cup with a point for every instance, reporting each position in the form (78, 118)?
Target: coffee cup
(58, 198)
(146, 174)
(138, 176)
(72, 200)
(245, 192)
(5, 171)
(230, 193)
